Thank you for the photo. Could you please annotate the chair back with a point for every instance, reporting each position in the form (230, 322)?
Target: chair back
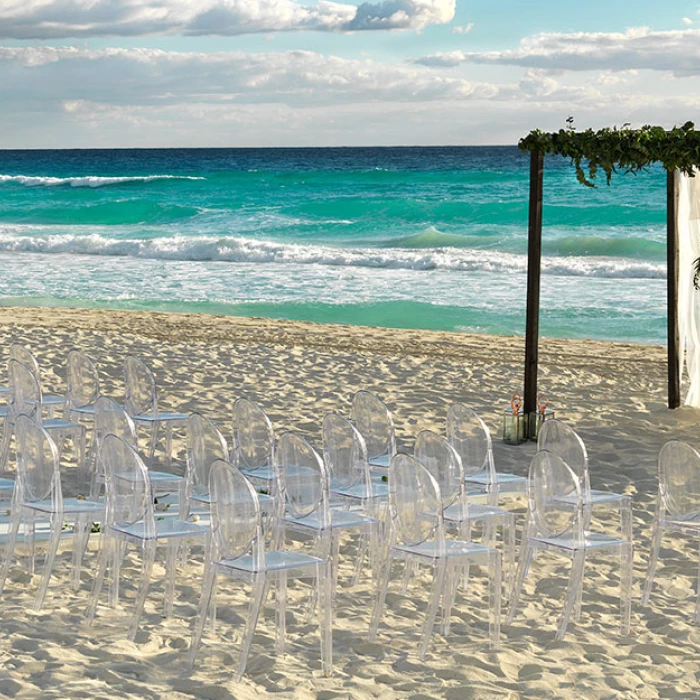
(38, 473)
(373, 420)
(26, 357)
(443, 463)
(25, 390)
(345, 453)
(141, 397)
(112, 419)
(253, 436)
(679, 478)
(560, 438)
(470, 437)
(205, 444)
(554, 498)
(129, 496)
(303, 480)
(82, 381)
(235, 515)
(415, 503)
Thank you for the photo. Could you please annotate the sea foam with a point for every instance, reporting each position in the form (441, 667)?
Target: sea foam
(246, 250)
(86, 181)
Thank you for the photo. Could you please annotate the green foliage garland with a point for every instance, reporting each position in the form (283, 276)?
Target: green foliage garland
(625, 149)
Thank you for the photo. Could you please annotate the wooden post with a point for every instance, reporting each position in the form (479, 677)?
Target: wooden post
(534, 257)
(674, 374)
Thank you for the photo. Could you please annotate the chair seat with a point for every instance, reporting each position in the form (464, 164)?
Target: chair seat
(160, 477)
(380, 461)
(87, 410)
(53, 400)
(339, 519)
(71, 506)
(264, 473)
(4, 389)
(274, 561)
(453, 548)
(61, 424)
(379, 491)
(165, 529)
(505, 482)
(6, 484)
(455, 512)
(689, 520)
(4, 411)
(595, 497)
(592, 540)
(160, 417)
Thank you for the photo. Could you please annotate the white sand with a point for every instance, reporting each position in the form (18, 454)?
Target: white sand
(613, 394)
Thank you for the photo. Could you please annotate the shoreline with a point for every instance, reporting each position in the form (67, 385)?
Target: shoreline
(612, 393)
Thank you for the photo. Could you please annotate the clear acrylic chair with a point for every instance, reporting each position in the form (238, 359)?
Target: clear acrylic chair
(471, 438)
(112, 419)
(130, 519)
(82, 390)
(417, 535)
(345, 455)
(237, 550)
(304, 490)
(253, 444)
(553, 528)
(26, 398)
(373, 420)
(52, 402)
(443, 463)
(677, 506)
(560, 438)
(142, 405)
(38, 496)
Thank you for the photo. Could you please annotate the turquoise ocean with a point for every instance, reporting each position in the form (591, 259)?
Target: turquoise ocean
(432, 238)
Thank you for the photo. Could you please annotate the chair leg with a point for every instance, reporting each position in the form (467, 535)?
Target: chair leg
(154, 438)
(254, 606)
(626, 556)
(54, 538)
(495, 573)
(653, 558)
(105, 547)
(281, 611)
(81, 532)
(10, 546)
(149, 555)
(382, 586)
(169, 443)
(325, 594)
(208, 588)
(451, 582)
(523, 567)
(438, 583)
(173, 548)
(575, 582)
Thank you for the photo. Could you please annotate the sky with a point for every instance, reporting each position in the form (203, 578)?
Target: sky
(195, 73)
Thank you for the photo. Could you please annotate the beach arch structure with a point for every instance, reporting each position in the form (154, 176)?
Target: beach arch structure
(614, 150)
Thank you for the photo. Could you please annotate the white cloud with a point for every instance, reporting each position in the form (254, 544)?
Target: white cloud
(50, 19)
(463, 30)
(636, 49)
(687, 20)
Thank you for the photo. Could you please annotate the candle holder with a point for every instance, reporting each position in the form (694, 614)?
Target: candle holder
(515, 423)
(536, 418)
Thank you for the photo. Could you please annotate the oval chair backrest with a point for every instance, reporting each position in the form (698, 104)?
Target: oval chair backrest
(373, 420)
(38, 475)
(253, 436)
(82, 382)
(235, 515)
(441, 460)
(26, 357)
(554, 498)
(344, 453)
(141, 397)
(470, 437)
(112, 419)
(415, 502)
(560, 438)
(205, 444)
(679, 478)
(302, 478)
(129, 496)
(25, 390)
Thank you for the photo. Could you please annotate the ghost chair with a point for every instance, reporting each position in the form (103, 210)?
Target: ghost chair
(470, 437)
(417, 535)
(373, 421)
(130, 519)
(141, 404)
(26, 398)
(52, 402)
(553, 528)
(443, 463)
(38, 495)
(82, 392)
(677, 506)
(237, 550)
(253, 444)
(561, 439)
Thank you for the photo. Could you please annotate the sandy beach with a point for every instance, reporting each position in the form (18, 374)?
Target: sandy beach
(614, 395)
